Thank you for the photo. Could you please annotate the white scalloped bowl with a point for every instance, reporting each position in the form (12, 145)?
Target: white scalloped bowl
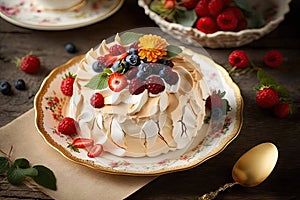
(219, 39)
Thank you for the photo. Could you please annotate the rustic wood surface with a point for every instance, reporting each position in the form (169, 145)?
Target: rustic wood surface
(259, 126)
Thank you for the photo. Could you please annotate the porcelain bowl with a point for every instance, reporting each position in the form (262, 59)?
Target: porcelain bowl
(219, 39)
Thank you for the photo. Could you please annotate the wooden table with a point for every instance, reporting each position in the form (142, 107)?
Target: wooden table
(258, 126)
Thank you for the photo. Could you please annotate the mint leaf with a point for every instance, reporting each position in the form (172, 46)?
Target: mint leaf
(4, 165)
(45, 177)
(186, 17)
(244, 5)
(22, 163)
(173, 50)
(264, 79)
(130, 37)
(98, 81)
(16, 175)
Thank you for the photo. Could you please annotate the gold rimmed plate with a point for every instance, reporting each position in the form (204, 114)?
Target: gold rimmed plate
(218, 132)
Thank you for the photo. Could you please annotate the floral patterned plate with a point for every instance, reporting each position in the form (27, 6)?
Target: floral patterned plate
(26, 13)
(220, 128)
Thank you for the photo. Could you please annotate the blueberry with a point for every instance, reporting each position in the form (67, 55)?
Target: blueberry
(70, 48)
(132, 51)
(166, 62)
(133, 59)
(145, 70)
(5, 88)
(97, 67)
(20, 84)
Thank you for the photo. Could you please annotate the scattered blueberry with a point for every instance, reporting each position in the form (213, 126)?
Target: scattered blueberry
(5, 88)
(20, 84)
(70, 47)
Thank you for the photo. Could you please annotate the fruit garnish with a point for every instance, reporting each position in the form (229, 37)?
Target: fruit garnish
(155, 84)
(136, 86)
(95, 151)
(267, 98)
(82, 143)
(97, 100)
(238, 59)
(117, 81)
(67, 126)
(28, 64)
(66, 85)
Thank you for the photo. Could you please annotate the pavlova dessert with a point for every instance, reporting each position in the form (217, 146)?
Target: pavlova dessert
(137, 96)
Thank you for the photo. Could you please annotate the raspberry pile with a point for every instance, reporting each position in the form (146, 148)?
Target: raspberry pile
(216, 15)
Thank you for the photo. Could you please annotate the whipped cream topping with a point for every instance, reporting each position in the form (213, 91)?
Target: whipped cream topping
(140, 125)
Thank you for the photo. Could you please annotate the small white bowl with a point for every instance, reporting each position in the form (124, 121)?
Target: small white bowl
(219, 39)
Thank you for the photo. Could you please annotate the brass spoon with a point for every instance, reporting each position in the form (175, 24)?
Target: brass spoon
(251, 169)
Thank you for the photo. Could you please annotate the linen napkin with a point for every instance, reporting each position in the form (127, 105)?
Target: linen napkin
(74, 181)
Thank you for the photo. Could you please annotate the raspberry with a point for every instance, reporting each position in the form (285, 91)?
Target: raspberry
(136, 86)
(116, 50)
(227, 21)
(227, 2)
(206, 25)
(215, 7)
(155, 84)
(236, 11)
(201, 8)
(97, 100)
(242, 24)
(238, 58)
(267, 98)
(190, 4)
(29, 63)
(67, 126)
(281, 109)
(273, 59)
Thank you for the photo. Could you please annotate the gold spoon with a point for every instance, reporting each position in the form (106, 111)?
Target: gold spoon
(251, 169)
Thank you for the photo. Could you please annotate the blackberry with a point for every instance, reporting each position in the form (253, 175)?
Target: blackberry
(20, 84)
(5, 88)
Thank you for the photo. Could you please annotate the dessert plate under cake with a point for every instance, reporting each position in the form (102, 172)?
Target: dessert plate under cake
(218, 131)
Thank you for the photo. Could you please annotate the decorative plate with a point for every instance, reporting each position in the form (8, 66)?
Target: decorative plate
(220, 130)
(26, 14)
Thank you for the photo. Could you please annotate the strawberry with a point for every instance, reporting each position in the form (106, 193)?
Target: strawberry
(67, 126)
(267, 98)
(117, 82)
(29, 63)
(97, 100)
(282, 109)
(82, 142)
(95, 151)
(66, 85)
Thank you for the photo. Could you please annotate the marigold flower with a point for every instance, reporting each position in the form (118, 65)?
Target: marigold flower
(152, 47)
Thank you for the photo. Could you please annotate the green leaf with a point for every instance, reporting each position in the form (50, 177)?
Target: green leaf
(21, 163)
(130, 37)
(173, 50)
(16, 175)
(265, 79)
(255, 20)
(45, 177)
(98, 81)
(186, 17)
(244, 5)
(282, 92)
(4, 165)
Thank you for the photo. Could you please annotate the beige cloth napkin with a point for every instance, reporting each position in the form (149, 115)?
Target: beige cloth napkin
(74, 181)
